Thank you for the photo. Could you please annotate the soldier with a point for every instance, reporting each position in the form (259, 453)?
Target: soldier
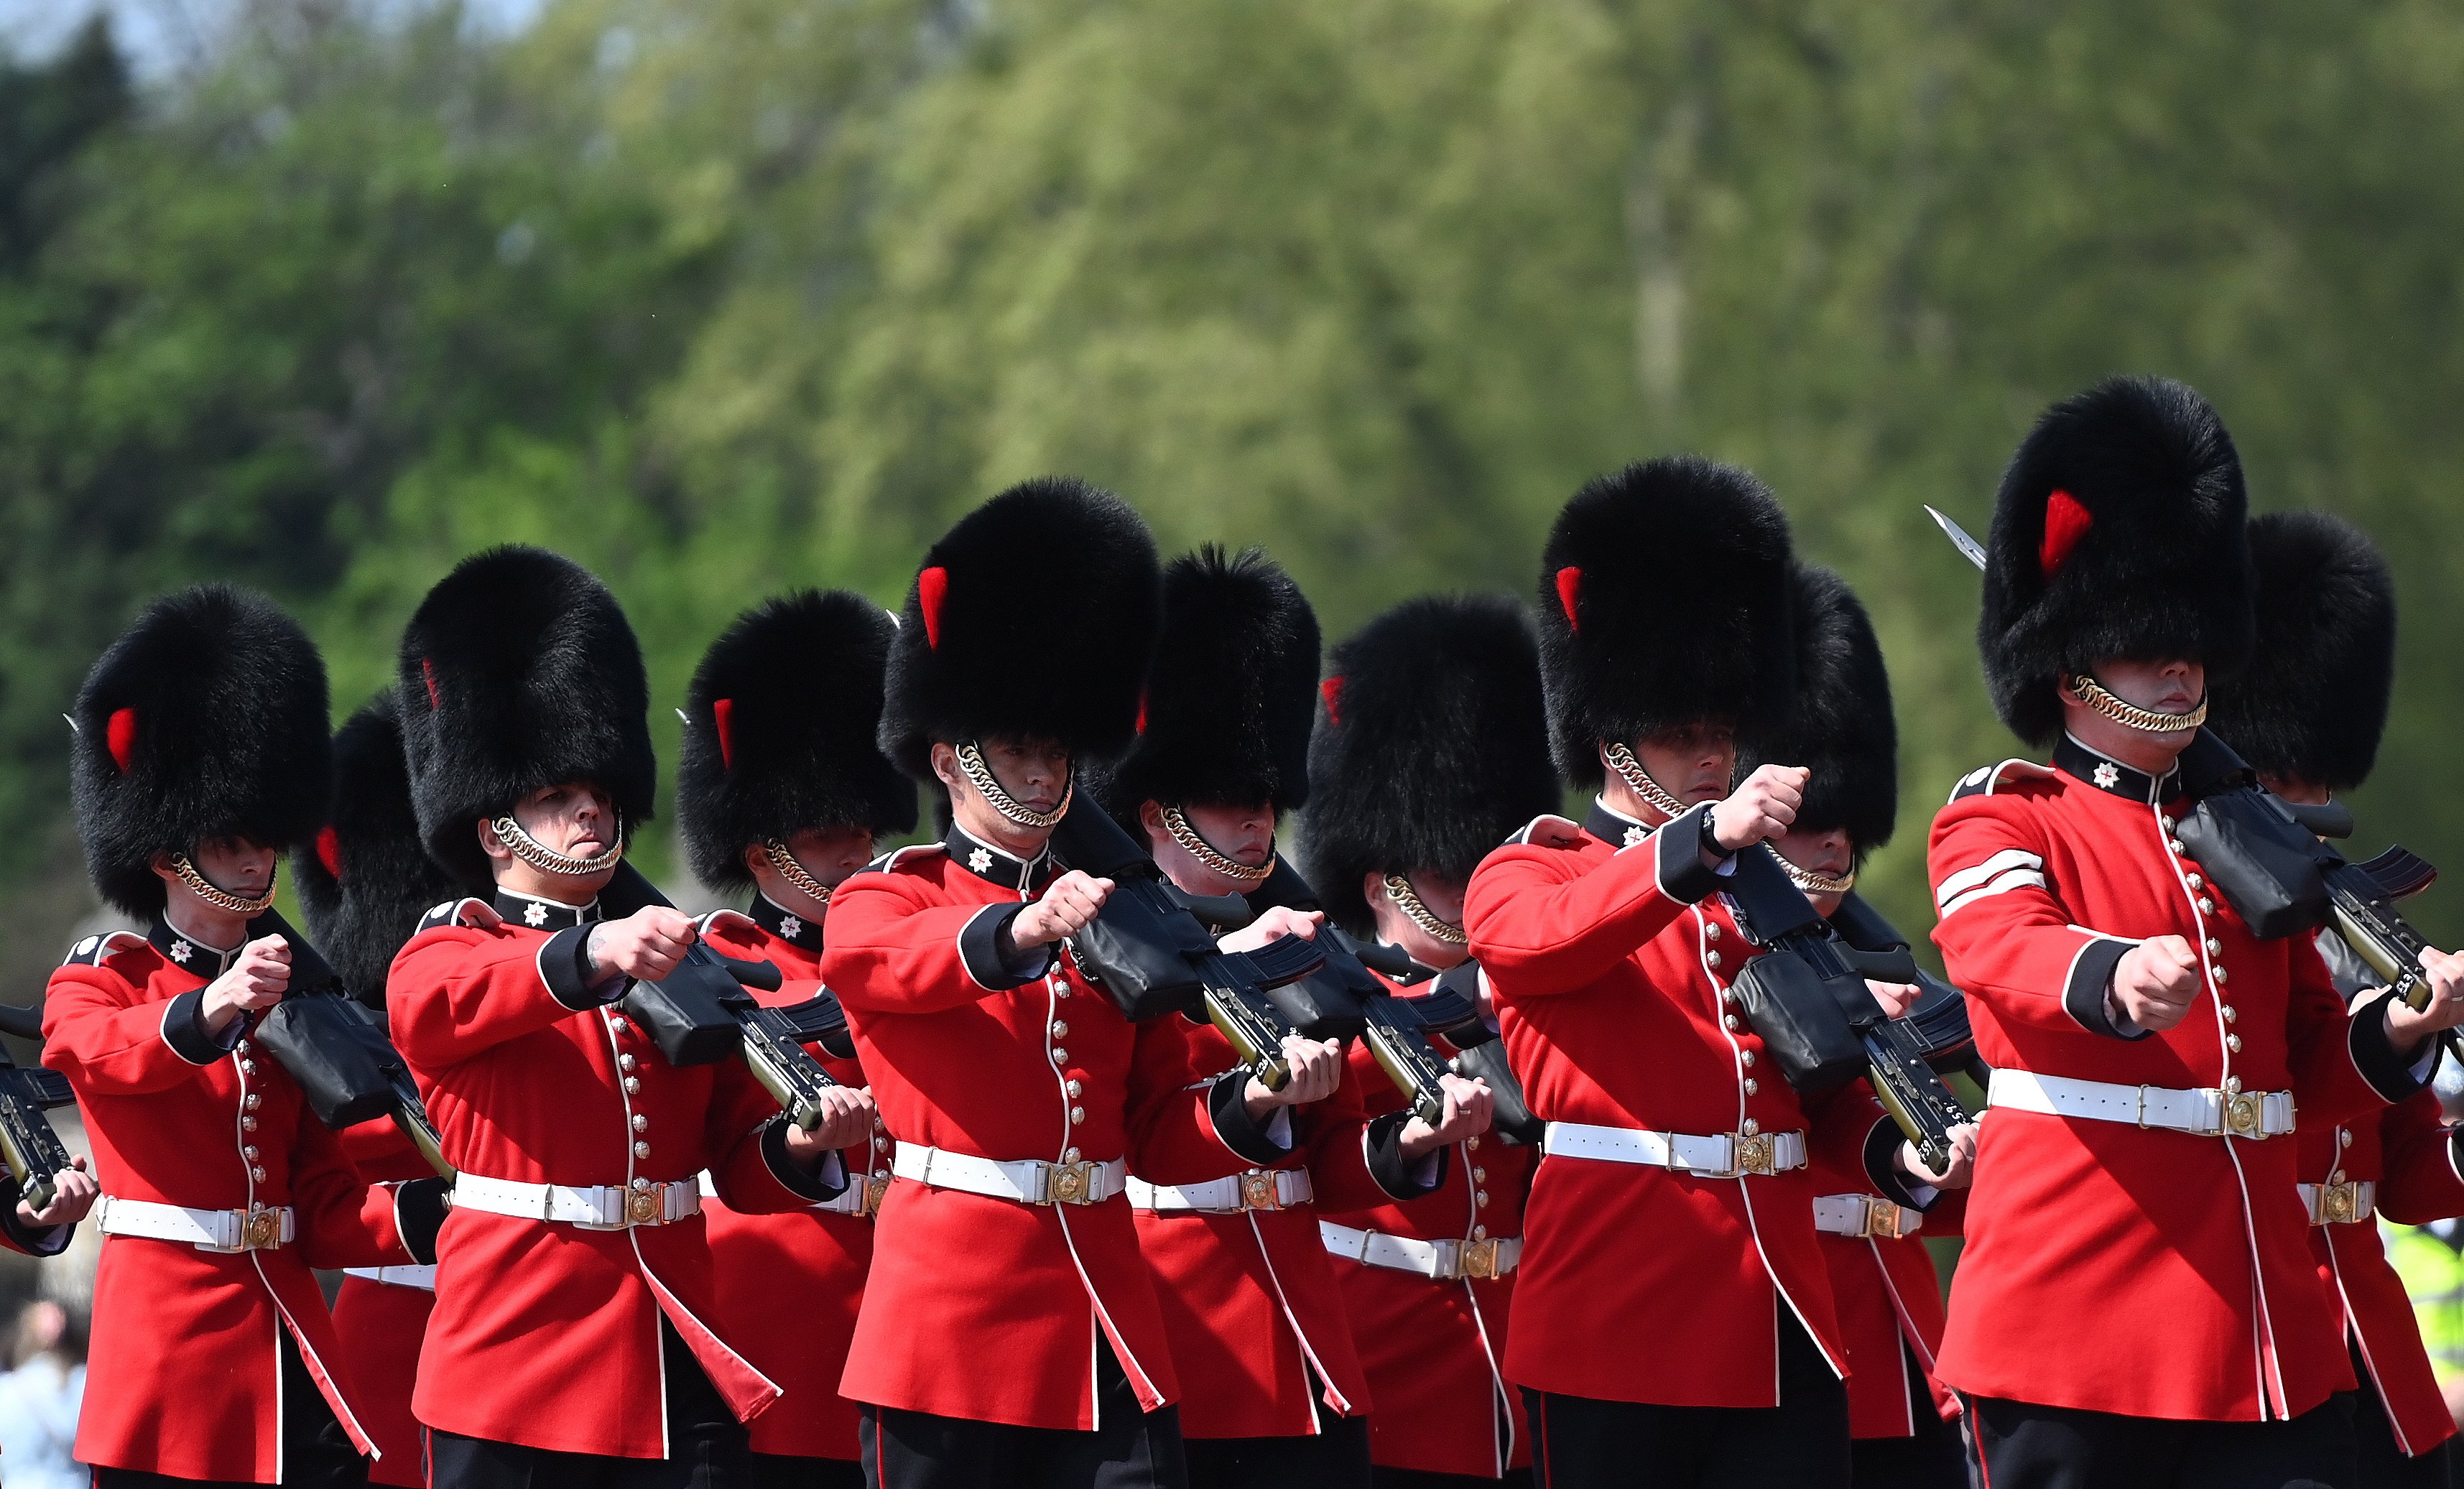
(200, 750)
(1260, 1336)
(2308, 714)
(781, 793)
(1010, 1331)
(1673, 1185)
(2137, 1301)
(1432, 749)
(571, 1342)
(365, 880)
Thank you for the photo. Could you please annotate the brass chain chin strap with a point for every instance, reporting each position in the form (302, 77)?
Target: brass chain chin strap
(1408, 900)
(221, 899)
(1811, 883)
(1205, 852)
(547, 860)
(794, 872)
(1621, 761)
(979, 776)
(2130, 715)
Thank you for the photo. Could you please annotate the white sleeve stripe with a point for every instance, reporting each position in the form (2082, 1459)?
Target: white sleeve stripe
(1955, 885)
(2015, 879)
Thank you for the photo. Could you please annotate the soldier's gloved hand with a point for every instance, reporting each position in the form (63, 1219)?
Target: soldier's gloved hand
(1068, 903)
(2155, 982)
(257, 980)
(74, 1194)
(1277, 923)
(1317, 1069)
(1955, 1174)
(644, 946)
(1469, 1110)
(846, 1122)
(2407, 1027)
(1761, 808)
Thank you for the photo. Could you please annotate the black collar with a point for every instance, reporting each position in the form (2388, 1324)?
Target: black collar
(2106, 774)
(986, 861)
(187, 954)
(786, 925)
(1614, 827)
(539, 914)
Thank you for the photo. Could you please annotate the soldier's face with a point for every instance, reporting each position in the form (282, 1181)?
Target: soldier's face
(1830, 854)
(829, 854)
(1243, 834)
(1693, 763)
(235, 866)
(575, 818)
(2169, 687)
(1034, 772)
(1442, 897)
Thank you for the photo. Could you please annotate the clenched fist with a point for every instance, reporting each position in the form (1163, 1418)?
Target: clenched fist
(644, 946)
(1068, 903)
(846, 1122)
(2407, 1026)
(2155, 982)
(1317, 1069)
(1469, 1110)
(1761, 808)
(255, 981)
(74, 1193)
(1958, 1173)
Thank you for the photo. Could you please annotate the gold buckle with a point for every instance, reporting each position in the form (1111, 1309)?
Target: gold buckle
(1754, 1154)
(875, 1190)
(261, 1230)
(2243, 1116)
(1070, 1183)
(1258, 1190)
(1882, 1218)
(2339, 1204)
(1480, 1259)
(641, 1207)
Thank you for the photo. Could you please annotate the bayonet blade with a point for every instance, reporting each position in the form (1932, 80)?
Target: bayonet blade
(1969, 547)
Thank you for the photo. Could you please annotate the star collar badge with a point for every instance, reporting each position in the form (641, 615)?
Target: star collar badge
(1634, 836)
(181, 951)
(980, 861)
(790, 927)
(2107, 775)
(536, 915)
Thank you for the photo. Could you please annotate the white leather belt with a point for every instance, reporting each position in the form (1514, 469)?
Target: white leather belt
(1259, 1189)
(2349, 1203)
(861, 1198)
(1864, 1216)
(1444, 1261)
(266, 1228)
(595, 1207)
(2204, 1113)
(1030, 1181)
(421, 1278)
(1724, 1155)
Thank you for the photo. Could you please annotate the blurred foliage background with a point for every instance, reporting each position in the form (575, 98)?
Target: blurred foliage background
(725, 296)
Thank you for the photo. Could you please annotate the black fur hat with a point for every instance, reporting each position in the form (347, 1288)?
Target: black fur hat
(2313, 702)
(518, 671)
(1225, 719)
(1842, 729)
(1033, 617)
(1663, 601)
(364, 877)
(1432, 748)
(206, 719)
(778, 732)
(2117, 533)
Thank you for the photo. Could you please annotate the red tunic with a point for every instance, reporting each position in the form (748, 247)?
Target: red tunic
(1611, 966)
(1432, 1347)
(183, 1370)
(2152, 1273)
(562, 1324)
(964, 1056)
(789, 1286)
(1889, 1300)
(381, 1324)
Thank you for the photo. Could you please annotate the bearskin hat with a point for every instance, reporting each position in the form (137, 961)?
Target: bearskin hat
(206, 719)
(1432, 748)
(1841, 729)
(1663, 601)
(1034, 617)
(2313, 702)
(2117, 533)
(1225, 719)
(778, 732)
(364, 876)
(519, 672)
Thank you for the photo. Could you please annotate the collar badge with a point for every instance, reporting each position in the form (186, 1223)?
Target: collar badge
(181, 951)
(2107, 775)
(536, 915)
(790, 927)
(980, 861)
(1635, 834)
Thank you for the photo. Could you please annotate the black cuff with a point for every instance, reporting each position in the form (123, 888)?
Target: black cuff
(47, 1240)
(1883, 1169)
(565, 966)
(1394, 1173)
(184, 1029)
(824, 1180)
(2374, 1055)
(418, 1215)
(1227, 1103)
(1677, 849)
(2091, 978)
(982, 944)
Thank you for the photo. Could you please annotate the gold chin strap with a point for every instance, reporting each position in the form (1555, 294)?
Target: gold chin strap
(795, 872)
(547, 860)
(1205, 852)
(2130, 715)
(1408, 900)
(1811, 883)
(219, 898)
(1621, 761)
(979, 776)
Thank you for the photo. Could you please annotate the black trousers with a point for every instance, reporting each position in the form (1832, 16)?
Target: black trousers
(706, 1446)
(1802, 1443)
(2379, 1463)
(2025, 1446)
(1336, 1457)
(317, 1454)
(1130, 1450)
(781, 1471)
(1418, 1478)
(1929, 1458)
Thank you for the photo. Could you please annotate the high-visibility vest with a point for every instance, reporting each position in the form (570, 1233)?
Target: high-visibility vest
(2432, 1270)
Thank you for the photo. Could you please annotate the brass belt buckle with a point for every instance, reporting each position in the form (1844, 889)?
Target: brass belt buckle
(2243, 1114)
(875, 1190)
(1480, 1259)
(1070, 1183)
(2339, 1204)
(1258, 1190)
(1754, 1154)
(641, 1207)
(1882, 1218)
(261, 1230)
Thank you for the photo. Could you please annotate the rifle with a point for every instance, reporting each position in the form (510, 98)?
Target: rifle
(333, 1046)
(700, 1014)
(1150, 952)
(1450, 1008)
(1807, 997)
(1939, 1017)
(32, 1150)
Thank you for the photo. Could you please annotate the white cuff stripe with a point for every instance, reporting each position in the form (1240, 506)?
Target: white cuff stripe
(2015, 879)
(1955, 885)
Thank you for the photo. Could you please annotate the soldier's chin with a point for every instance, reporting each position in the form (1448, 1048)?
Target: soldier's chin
(585, 847)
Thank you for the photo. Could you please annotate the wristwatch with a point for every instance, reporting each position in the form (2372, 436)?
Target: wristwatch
(1711, 842)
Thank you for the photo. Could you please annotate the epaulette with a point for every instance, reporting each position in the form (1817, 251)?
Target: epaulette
(91, 951)
(464, 911)
(1548, 830)
(1986, 779)
(897, 855)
